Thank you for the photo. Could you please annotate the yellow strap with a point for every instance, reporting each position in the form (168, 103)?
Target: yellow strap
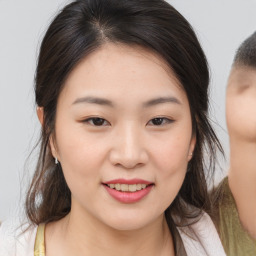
(39, 249)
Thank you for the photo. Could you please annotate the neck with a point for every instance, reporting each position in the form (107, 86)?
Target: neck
(243, 161)
(87, 236)
(242, 181)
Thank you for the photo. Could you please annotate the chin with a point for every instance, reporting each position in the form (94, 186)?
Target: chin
(128, 225)
(130, 222)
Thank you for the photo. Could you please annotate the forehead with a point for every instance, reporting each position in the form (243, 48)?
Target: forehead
(112, 54)
(117, 70)
(240, 75)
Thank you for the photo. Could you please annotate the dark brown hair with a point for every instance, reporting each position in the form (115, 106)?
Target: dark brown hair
(246, 53)
(81, 28)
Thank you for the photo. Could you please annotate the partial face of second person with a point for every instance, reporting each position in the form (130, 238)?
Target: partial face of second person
(241, 104)
(123, 118)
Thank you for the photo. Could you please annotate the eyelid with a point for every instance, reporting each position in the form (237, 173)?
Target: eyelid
(167, 120)
(90, 120)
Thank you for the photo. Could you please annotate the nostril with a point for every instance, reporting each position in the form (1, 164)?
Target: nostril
(128, 157)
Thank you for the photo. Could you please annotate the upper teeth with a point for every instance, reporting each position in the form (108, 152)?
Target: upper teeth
(127, 187)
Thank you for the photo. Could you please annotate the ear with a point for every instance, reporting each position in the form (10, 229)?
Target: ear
(53, 147)
(40, 114)
(192, 147)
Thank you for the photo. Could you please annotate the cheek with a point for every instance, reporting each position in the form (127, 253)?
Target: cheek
(171, 168)
(75, 144)
(241, 116)
(171, 158)
(77, 154)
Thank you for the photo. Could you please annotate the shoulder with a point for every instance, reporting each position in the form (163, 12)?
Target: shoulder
(223, 193)
(225, 211)
(17, 238)
(201, 238)
(234, 237)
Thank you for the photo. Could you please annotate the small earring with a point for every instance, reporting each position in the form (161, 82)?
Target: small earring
(56, 160)
(191, 154)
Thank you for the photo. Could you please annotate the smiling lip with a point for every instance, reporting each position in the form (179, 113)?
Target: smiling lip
(127, 196)
(132, 181)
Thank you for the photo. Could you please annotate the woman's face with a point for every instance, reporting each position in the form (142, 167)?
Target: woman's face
(123, 123)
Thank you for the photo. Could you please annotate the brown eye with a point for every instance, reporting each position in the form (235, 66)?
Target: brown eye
(96, 121)
(157, 121)
(160, 121)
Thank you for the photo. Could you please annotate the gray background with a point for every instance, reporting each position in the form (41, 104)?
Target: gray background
(221, 26)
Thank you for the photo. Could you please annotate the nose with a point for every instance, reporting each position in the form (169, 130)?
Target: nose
(128, 149)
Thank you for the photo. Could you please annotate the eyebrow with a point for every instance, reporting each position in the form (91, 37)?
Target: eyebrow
(94, 100)
(161, 100)
(106, 102)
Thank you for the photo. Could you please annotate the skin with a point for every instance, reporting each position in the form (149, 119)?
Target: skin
(127, 145)
(241, 122)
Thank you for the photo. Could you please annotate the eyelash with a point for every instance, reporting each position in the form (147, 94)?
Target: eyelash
(92, 120)
(164, 120)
